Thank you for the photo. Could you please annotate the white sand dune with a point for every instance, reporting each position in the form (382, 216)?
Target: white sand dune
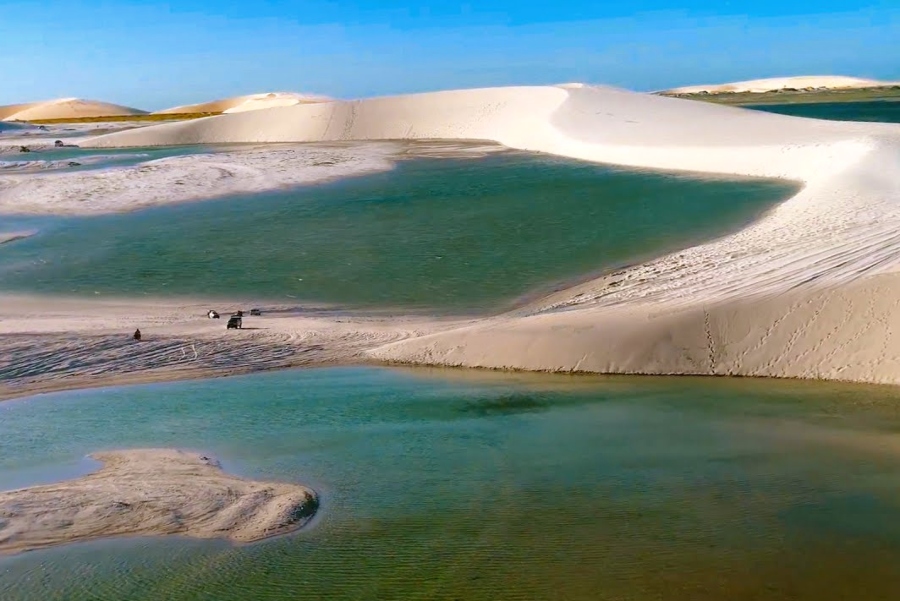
(817, 261)
(249, 102)
(802, 82)
(154, 492)
(65, 108)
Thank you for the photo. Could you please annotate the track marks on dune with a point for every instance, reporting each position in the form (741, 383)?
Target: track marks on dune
(710, 343)
(840, 228)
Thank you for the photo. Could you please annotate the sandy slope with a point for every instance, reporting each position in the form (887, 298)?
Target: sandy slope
(8, 110)
(833, 82)
(851, 332)
(151, 492)
(65, 108)
(812, 258)
(248, 102)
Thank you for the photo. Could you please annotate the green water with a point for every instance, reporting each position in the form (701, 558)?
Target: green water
(452, 485)
(885, 111)
(456, 234)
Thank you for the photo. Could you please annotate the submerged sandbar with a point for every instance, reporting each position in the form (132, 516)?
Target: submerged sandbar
(152, 492)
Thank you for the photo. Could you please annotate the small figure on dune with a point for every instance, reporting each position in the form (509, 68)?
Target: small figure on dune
(137, 334)
(212, 314)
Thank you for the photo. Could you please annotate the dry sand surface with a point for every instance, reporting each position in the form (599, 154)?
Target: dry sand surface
(806, 291)
(833, 82)
(65, 108)
(151, 492)
(249, 102)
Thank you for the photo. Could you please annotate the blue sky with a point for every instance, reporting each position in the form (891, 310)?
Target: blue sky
(156, 54)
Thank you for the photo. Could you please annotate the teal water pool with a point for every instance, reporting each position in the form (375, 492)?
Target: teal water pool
(883, 111)
(458, 485)
(453, 234)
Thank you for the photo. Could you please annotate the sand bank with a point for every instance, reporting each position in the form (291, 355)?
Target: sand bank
(151, 492)
(13, 236)
(801, 82)
(44, 137)
(64, 108)
(180, 178)
(837, 333)
(51, 344)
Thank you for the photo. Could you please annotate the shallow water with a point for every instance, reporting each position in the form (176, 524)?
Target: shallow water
(433, 233)
(460, 485)
(885, 111)
(73, 158)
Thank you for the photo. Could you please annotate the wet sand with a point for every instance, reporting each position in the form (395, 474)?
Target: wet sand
(52, 344)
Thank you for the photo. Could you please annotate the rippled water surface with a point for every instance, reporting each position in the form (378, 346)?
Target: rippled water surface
(433, 233)
(452, 485)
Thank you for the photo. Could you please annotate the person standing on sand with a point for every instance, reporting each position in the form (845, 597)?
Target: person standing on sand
(137, 334)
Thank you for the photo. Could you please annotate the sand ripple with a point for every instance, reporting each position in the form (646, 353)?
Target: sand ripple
(151, 492)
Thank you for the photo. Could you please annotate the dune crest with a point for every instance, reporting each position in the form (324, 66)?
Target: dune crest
(801, 82)
(65, 108)
(249, 102)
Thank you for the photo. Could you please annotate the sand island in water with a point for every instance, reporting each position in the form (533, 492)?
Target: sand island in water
(149, 492)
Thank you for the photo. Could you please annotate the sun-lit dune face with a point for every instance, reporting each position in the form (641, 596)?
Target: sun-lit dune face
(8, 111)
(65, 108)
(802, 82)
(249, 102)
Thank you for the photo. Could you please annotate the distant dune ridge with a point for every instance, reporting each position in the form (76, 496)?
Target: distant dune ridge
(64, 108)
(803, 82)
(248, 102)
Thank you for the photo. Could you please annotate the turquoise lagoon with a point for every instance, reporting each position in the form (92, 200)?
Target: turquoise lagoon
(470, 486)
(455, 234)
(884, 111)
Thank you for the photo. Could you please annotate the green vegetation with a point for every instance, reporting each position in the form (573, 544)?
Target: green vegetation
(119, 118)
(795, 96)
